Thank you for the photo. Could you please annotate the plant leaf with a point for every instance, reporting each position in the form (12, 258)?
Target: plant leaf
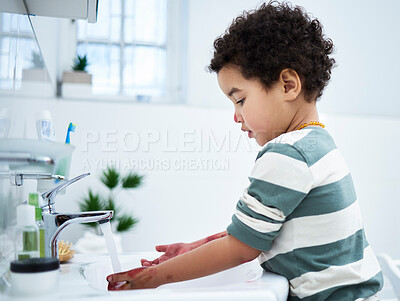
(80, 63)
(110, 177)
(110, 205)
(92, 202)
(132, 180)
(37, 60)
(125, 223)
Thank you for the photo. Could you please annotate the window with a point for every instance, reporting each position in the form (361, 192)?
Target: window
(18, 49)
(127, 48)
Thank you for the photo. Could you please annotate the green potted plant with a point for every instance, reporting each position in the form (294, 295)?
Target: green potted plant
(37, 71)
(115, 183)
(35, 79)
(80, 63)
(78, 81)
(37, 60)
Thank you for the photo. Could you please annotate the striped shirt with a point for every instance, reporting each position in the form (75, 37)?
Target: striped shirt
(301, 211)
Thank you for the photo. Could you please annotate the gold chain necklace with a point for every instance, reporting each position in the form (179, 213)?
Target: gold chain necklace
(308, 124)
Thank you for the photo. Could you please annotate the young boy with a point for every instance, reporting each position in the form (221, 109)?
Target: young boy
(299, 215)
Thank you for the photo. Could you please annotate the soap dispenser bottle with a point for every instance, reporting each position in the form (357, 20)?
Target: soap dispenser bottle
(34, 201)
(27, 236)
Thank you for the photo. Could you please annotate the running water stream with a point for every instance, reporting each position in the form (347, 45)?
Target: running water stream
(112, 249)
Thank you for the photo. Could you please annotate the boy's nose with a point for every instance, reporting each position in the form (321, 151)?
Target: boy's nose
(236, 119)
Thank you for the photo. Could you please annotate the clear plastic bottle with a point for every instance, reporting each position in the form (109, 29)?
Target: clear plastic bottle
(45, 126)
(27, 236)
(34, 201)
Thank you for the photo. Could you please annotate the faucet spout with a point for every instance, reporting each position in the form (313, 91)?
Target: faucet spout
(49, 196)
(56, 222)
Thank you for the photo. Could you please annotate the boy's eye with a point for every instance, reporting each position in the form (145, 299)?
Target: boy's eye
(240, 101)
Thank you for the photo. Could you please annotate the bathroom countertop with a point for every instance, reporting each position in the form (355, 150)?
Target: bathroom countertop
(74, 286)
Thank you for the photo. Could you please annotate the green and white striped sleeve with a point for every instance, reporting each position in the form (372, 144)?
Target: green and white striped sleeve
(279, 181)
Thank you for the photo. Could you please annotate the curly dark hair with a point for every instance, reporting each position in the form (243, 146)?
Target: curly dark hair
(276, 36)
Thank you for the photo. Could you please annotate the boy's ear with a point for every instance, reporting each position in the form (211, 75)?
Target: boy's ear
(291, 83)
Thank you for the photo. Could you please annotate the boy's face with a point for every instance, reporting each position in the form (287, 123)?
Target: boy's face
(263, 114)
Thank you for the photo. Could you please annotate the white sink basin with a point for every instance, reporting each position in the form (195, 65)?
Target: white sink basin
(83, 279)
(244, 282)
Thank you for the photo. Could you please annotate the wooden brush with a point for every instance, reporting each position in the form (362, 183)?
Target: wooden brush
(65, 252)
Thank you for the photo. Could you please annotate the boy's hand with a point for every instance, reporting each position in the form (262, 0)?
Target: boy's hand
(133, 279)
(170, 251)
(176, 249)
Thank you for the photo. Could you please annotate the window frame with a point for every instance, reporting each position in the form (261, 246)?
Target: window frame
(175, 58)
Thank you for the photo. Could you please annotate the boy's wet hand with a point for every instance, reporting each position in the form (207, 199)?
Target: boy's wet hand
(133, 279)
(170, 251)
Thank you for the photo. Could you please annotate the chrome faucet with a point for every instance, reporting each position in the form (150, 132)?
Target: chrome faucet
(55, 222)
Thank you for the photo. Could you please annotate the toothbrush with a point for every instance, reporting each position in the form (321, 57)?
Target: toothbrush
(71, 128)
(64, 163)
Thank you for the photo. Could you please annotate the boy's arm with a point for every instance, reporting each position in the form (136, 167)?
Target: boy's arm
(203, 241)
(176, 249)
(215, 256)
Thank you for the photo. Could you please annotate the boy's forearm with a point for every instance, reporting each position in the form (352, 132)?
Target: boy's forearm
(203, 241)
(213, 257)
